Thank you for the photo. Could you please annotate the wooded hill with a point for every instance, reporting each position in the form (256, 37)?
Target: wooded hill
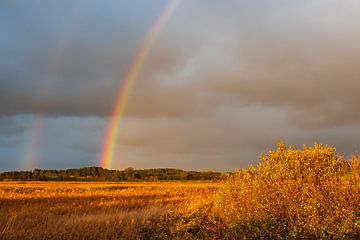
(101, 174)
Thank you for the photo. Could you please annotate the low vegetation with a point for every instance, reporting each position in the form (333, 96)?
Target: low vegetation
(311, 193)
(73, 210)
(292, 194)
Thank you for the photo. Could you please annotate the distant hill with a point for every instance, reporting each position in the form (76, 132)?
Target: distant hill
(101, 174)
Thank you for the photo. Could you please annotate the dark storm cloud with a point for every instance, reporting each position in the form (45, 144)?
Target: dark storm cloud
(223, 82)
(10, 126)
(296, 57)
(67, 58)
(231, 138)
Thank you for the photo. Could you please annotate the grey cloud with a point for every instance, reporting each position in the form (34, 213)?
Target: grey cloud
(292, 56)
(10, 127)
(67, 58)
(223, 82)
(230, 139)
(220, 139)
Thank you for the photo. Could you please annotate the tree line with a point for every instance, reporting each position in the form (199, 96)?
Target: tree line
(101, 174)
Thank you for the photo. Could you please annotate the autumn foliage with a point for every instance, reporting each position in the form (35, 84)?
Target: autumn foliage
(311, 193)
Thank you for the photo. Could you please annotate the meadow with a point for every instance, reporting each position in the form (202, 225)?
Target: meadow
(100, 210)
(309, 193)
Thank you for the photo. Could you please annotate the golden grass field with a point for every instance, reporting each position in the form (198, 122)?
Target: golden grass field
(77, 210)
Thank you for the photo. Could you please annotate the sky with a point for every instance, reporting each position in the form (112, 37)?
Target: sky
(222, 83)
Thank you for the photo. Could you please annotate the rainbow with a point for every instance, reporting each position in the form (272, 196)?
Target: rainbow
(32, 149)
(125, 89)
(35, 138)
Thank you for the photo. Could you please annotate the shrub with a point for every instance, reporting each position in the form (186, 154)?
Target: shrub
(311, 193)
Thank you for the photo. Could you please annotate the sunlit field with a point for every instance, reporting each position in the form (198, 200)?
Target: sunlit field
(72, 210)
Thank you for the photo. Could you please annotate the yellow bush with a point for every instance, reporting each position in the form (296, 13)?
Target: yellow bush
(311, 193)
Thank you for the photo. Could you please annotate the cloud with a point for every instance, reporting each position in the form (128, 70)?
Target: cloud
(300, 60)
(70, 58)
(294, 57)
(10, 127)
(223, 82)
(307, 66)
(230, 138)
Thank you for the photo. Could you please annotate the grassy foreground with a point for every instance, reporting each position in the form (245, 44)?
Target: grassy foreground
(74, 210)
(311, 193)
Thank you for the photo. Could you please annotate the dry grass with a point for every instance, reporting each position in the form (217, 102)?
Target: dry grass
(73, 210)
